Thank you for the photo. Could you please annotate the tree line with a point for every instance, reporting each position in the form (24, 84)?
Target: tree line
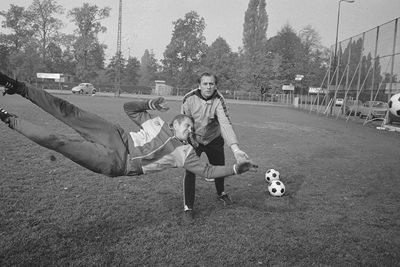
(34, 43)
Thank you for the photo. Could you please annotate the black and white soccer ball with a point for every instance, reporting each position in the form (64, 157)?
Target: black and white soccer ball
(271, 175)
(394, 105)
(276, 188)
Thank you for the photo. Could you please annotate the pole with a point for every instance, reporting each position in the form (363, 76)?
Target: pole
(337, 33)
(117, 89)
(373, 63)
(336, 61)
(337, 23)
(393, 53)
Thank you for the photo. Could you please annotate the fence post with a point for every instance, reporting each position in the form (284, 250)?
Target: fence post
(393, 51)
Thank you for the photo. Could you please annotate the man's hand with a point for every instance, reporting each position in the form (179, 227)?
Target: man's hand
(245, 166)
(158, 104)
(240, 156)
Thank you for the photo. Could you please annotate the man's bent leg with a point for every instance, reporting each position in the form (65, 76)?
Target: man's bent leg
(189, 184)
(216, 156)
(93, 156)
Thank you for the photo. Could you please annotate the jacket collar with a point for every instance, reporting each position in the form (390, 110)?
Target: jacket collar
(198, 93)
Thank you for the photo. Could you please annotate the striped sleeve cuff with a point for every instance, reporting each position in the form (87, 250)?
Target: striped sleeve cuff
(151, 104)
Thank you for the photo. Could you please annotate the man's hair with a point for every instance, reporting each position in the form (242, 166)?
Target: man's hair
(181, 117)
(207, 74)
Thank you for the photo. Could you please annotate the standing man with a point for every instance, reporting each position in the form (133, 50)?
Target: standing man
(212, 128)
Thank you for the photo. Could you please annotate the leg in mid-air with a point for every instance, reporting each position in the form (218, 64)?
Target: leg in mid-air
(103, 146)
(88, 125)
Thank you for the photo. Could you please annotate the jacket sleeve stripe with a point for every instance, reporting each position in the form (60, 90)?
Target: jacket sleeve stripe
(224, 106)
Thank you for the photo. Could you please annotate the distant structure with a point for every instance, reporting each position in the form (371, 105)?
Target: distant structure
(54, 77)
(50, 80)
(161, 88)
(117, 91)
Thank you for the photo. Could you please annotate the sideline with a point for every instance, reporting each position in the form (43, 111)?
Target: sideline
(170, 98)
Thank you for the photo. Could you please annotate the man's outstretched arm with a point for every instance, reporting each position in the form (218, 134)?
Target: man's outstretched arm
(203, 169)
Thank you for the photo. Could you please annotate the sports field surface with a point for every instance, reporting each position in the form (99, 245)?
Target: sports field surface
(342, 206)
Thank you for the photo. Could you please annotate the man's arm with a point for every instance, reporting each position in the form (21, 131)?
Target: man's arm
(228, 133)
(137, 110)
(203, 169)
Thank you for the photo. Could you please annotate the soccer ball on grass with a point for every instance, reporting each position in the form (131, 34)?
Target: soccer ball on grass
(276, 188)
(394, 105)
(271, 175)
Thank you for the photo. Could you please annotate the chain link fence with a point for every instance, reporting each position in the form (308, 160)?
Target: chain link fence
(363, 68)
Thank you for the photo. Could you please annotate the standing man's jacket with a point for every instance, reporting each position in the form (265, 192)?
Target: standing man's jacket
(211, 117)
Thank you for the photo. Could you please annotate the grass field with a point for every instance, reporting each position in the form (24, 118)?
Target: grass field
(341, 207)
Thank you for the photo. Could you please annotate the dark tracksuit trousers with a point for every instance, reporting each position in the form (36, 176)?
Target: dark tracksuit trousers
(216, 156)
(102, 147)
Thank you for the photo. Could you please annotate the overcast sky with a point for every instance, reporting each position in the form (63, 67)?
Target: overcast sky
(147, 24)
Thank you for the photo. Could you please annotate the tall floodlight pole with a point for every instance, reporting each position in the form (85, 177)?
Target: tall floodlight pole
(336, 62)
(337, 29)
(118, 55)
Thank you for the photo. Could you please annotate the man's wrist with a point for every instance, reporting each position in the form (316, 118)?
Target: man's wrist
(235, 148)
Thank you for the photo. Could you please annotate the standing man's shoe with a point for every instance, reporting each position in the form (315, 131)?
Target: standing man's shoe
(225, 198)
(189, 216)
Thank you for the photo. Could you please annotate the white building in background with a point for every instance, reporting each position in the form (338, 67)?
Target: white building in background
(161, 88)
(288, 87)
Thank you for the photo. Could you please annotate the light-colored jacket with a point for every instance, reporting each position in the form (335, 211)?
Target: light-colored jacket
(211, 117)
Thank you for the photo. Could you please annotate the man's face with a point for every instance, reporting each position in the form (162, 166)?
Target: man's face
(207, 86)
(183, 129)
